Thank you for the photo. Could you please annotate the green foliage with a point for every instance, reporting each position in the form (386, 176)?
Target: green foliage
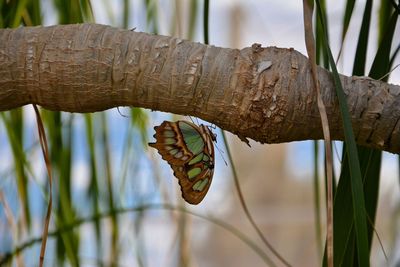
(352, 242)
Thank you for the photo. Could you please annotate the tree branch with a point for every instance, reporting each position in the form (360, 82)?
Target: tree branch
(265, 94)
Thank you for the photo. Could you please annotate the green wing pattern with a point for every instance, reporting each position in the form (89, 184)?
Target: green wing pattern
(192, 137)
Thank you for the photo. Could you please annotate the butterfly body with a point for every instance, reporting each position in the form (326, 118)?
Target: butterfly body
(189, 150)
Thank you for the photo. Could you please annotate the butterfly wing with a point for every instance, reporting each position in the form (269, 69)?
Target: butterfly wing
(170, 144)
(194, 181)
(189, 150)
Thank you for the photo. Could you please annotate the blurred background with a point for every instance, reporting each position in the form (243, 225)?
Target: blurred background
(110, 189)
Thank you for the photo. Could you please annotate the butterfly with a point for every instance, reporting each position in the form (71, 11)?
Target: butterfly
(189, 150)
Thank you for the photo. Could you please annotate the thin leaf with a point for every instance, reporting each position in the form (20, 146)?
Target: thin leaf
(192, 18)
(346, 22)
(362, 44)
(347, 17)
(105, 143)
(381, 63)
(206, 8)
(46, 156)
(244, 205)
(235, 176)
(93, 189)
(14, 128)
(317, 202)
(344, 224)
(151, 15)
(126, 14)
(356, 182)
(308, 8)
(320, 32)
(18, 16)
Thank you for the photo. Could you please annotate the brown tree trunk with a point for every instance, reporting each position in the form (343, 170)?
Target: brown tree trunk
(265, 94)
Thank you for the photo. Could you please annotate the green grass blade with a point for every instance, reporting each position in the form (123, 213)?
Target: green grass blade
(381, 64)
(355, 174)
(206, 8)
(93, 189)
(345, 246)
(18, 16)
(385, 11)
(60, 155)
(152, 15)
(69, 11)
(126, 14)
(34, 10)
(317, 202)
(106, 152)
(370, 163)
(127, 155)
(362, 45)
(351, 149)
(344, 227)
(139, 120)
(370, 167)
(67, 213)
(86, 10)
(14, 128)
(141, 249)
(347, 17)
(1, 14)
(192, 18)
(343, 217)
(321, 55)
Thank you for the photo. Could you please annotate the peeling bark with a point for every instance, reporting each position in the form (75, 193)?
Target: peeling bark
(265, 94)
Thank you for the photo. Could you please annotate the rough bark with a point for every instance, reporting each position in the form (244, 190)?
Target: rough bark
(265, 94)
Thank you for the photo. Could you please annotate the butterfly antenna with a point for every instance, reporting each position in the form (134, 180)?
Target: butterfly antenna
(221, 152)
(190, 117)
